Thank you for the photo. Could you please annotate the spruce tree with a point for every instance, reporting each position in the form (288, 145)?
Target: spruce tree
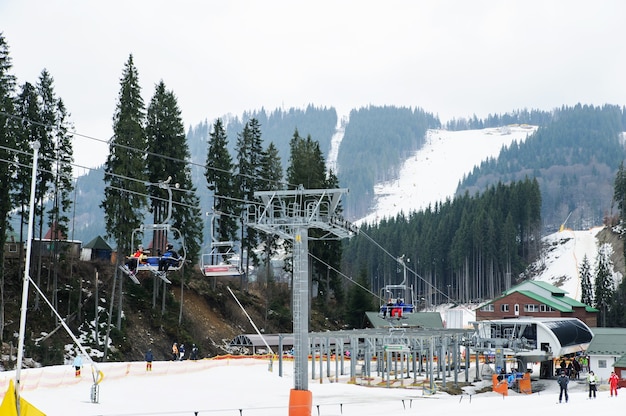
(218, 173)
(359, 301)
(28, 131)
(249, 152)
(619, 192)
(167, 155)
(619, 196)
(586, 287)
(308, 168)
(604, 287)
(271, 176)
(7, 169)
(124, 170)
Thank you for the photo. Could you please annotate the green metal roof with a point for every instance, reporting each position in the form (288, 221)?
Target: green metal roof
(543, 285)
(556, 302)
(428, 320)
(98, 243)
(549, 302)
(608, 341)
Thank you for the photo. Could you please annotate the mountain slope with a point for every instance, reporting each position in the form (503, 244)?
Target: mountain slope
(432, 173)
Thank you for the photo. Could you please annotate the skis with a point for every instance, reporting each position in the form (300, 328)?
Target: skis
(124, 268)
(162, 275)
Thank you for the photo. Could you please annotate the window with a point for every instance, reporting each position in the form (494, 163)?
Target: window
(504, 307)
(545, 308)
(487, 308)
(601, 363)
(530, 308)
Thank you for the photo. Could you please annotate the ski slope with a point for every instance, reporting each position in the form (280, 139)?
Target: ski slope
(433, 173)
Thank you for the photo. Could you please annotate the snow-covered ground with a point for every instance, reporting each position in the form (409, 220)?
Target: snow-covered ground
(246, 387)
(564, 256)
(433, 172)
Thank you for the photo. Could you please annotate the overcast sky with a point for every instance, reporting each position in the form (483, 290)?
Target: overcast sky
(452, 58)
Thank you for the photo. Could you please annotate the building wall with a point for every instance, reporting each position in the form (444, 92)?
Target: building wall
(504, 308)
(602, 365)
(621, 373)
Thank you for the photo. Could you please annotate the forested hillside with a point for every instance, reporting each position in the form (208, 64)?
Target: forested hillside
(376, 141)
(574, 159)
(467, 249)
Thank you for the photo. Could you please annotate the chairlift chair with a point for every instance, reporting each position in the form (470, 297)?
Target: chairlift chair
(151, 262)
(223, 260)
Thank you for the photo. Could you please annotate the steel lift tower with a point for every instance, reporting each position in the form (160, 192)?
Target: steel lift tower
(290, 214)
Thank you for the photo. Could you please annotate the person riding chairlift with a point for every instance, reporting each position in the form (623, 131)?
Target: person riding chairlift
(169, 258)
(397, 308)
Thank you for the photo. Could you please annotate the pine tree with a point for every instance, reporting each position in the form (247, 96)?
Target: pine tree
(125, 193)
(604, 282)
(167, 155)
(586, 288)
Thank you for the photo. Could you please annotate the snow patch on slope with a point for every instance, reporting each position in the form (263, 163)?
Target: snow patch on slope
(562, 257)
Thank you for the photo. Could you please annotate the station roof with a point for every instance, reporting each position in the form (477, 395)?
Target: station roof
(608, 341)
(427, 320)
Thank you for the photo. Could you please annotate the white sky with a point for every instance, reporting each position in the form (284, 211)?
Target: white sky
(222, 388)
(453, 58)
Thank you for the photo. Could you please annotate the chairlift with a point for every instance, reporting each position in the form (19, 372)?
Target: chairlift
(222, 260)
(150, 262)
(396, 302)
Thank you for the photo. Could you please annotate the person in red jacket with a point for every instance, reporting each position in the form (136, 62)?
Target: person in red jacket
(613, 380)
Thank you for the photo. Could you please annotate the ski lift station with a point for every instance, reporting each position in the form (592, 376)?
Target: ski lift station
(531, 339)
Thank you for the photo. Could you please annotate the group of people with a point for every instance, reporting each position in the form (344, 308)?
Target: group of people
(170, 258)
(574, 367)
(592, 382)
(178, 354)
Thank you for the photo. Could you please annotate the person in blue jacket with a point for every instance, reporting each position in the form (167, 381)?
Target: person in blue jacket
(169, 258)
(78, 363)
(563, 380)
(149, 359)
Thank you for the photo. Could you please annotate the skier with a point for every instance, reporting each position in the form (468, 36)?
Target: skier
(175, 351)
(149, 359)
(592, 380)
(78, 363)
(181, 351)
(194, 352)
(613, 381)
(563, 380)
